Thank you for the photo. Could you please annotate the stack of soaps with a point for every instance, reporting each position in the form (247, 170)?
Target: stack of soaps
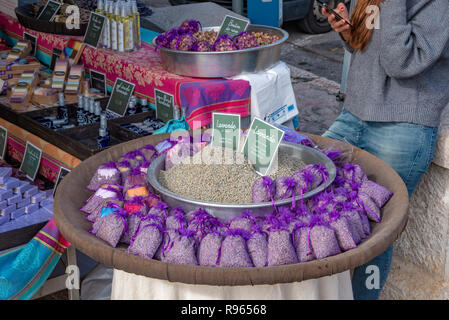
(21, 203)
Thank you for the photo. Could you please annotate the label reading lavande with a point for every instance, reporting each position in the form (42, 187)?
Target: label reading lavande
(164, 105)
(3, 141)
(226, 130)
(31, 161)
(62, 173)
(49, 11)
(261, 145)
(119, 99)
(94, 29)
(232, 26)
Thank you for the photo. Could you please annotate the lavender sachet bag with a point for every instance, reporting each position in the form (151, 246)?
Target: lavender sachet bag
(245, 221)
(181, 248)
(149, 152)
(146, 241)
(176, 219)
(303, 180)
(107, 173)
(280, 246)
(263, 190)
(209, 250)
(258, 247)
(369, 206)
(135, 158)
(285, 188)
(354, 173)
(342, 228)
(161, 209)
(109, 205)
(125, 169)
(234, 251)
(357, 229)
(323, 239)
(96, 200)
(111, 227)
(379, 194)
(302, 243)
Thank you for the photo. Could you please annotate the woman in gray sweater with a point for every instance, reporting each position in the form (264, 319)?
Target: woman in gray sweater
(397, 87)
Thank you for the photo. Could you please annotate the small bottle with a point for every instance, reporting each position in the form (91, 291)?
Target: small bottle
(91, 110)
(131, 31)
(101, 10)
(183, 112)
(122, 29)
(175, 113)
(96, 118)
(80, 116)
(144, 104)
(131, 107)
(103, 134)
(114, 14)
(136, 24)
(62, 109)
(107, 28)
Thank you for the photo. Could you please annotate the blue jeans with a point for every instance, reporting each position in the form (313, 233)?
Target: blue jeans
(408, 149)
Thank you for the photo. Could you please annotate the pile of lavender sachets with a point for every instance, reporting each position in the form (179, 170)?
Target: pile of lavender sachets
(124, 211)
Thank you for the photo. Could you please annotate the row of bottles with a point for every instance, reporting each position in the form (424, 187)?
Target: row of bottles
(121, 31)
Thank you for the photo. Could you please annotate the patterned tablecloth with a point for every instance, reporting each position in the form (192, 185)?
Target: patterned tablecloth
(144, 68)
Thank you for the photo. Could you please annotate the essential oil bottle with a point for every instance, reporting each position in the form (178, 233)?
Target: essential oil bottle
(136, 24)
(113, 19)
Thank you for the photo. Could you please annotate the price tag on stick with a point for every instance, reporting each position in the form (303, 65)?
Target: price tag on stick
(226, 130)
(120, 96)
(62, 173)
(98, 81)
(164, 105)
(49, 11)
(3, 141)
(31, 161)
(232, 26)
(261, 145)
(94, 29)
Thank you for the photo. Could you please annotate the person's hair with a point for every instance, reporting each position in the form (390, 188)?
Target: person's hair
(361, 35)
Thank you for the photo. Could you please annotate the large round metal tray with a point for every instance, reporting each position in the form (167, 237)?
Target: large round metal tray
(227, 63)
(226, 211)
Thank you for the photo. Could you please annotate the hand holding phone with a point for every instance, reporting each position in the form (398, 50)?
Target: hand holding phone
(332, 11)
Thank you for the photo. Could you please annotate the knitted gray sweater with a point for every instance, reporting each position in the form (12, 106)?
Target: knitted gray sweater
(403, 73)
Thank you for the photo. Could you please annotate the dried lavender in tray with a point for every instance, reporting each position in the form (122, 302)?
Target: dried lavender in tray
(223, 177)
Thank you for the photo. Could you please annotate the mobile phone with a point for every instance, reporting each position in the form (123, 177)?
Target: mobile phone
(332, 11)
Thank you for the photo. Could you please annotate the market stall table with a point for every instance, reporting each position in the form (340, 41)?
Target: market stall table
(143, 67)
(331, 272)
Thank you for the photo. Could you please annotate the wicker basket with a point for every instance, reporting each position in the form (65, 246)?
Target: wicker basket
(26, 16)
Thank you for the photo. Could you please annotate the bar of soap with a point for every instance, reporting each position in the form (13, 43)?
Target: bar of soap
(23, 185)
(3, 204)
(5, 173)
(38, 197)
(17, 213)
(4, 218)
(14, 199)
(46, 202)
(30, 192)
(33, 207)
(10, 183)
(5, 194)
(8, 209)
(24, 202)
